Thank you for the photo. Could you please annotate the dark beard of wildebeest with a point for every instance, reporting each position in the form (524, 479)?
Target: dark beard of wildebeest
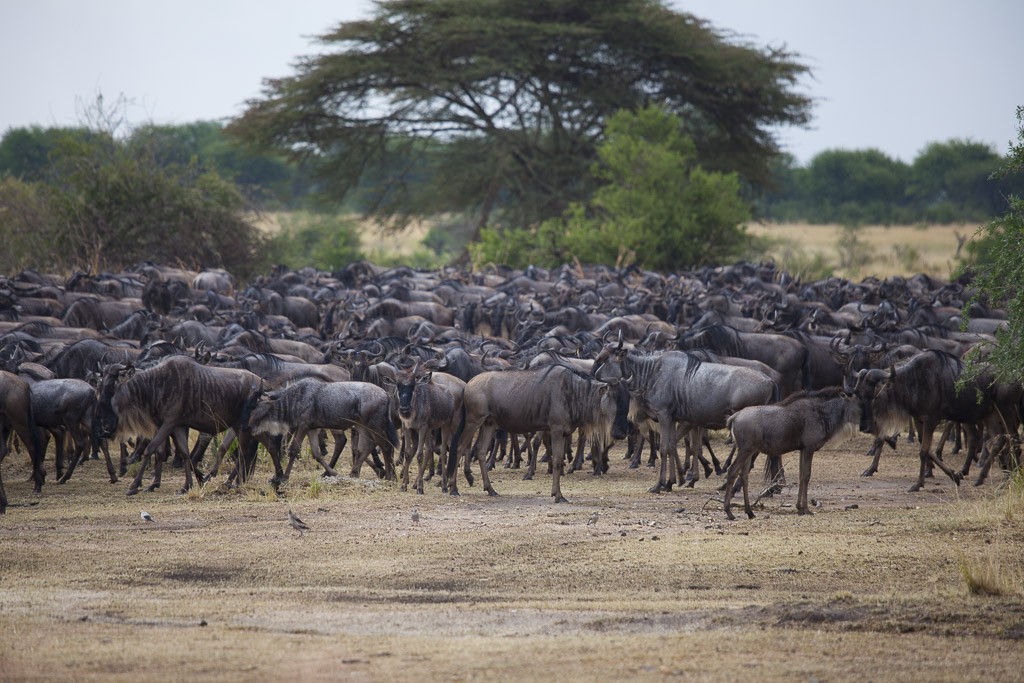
(924, 388)
(803, 422)
(676, 387)
(178, 392)
(291, 412)
(16, 415)
(787, 355)
(556, 399)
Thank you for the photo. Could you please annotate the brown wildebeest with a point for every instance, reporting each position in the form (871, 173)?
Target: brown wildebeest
(16, 415)
(803, 422)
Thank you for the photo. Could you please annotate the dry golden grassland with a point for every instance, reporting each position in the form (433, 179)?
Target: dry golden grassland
(890, 250)
(873, 586)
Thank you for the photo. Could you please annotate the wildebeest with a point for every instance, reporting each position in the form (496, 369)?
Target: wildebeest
(66, 408)
(555, 399)
(177, 392)
(676, 387)
(803, 422)
(312, 404)
(787, 355)
(427, 401)
(925, 388)
(16, 416)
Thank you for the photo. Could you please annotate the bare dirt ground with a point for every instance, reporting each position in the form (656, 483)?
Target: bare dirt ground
(514, 587)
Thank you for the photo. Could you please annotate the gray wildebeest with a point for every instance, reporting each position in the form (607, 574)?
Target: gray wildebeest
(677, 387)
(16, 415)
(310, 404)
(926, 389)
(803, 422)
(427, 401)
(555, 399)
(178, 392)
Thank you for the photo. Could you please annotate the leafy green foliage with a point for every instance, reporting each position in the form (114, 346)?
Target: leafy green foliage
(103, 203)
(494, 108)
(656, 206)
(322, 240)
(1001, 277)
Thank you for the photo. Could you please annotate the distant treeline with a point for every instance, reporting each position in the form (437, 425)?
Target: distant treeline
(947, 182)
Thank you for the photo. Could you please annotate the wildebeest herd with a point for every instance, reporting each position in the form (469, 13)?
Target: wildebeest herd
(447, 367)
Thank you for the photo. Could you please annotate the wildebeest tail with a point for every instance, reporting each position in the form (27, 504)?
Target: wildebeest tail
(250, 403)
(38, 475)
(392, 431)
(453, 449)
(805, 368)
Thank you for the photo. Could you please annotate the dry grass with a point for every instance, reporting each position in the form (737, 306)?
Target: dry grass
(505, 588)
(894, 250)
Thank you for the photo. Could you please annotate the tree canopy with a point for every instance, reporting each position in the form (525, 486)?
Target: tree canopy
(495, 107)
(655, 206)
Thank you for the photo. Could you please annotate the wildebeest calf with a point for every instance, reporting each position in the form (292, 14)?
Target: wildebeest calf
(803, 422)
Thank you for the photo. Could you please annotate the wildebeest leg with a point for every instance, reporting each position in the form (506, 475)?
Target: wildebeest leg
(669, 454)
(414, 443)
(180, 439)
(994, 446)
(654, 439)
(531, 460)
(159, 440)
(197, 454)
(876, 452)
(558, 441)
(926, 432)
(484, 437)
(973, 434)
(160, 457)
(806, 455)
(424, 436)
(738, 474)
(339, 445)
(225, 444)
(58, 447)
(314, 447)
(706, 440)
(581, 442)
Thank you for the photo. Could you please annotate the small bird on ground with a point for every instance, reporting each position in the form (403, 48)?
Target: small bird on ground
(297, 523)
(146, 517)
(415, 516)
(593, 519)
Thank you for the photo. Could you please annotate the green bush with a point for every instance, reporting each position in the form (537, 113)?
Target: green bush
(327, 241)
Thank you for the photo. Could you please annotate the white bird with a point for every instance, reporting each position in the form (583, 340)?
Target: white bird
(146, 517)
(593, 519)
(415, 516)
(297, 523)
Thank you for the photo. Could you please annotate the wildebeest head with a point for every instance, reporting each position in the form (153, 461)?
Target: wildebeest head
(868, 386)
(106, 417)
(405, 383)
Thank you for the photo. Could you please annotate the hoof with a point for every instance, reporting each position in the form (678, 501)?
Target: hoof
(491, 492)
(454, 492)
(561, 499)
(152, 487)
(527, 477)
(867, 473)
(132, 492)
(914, 489)
(113, 480)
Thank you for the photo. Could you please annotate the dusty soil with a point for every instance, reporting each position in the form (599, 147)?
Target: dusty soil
(513, 587)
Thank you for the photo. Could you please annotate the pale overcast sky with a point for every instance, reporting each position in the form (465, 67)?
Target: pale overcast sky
(889, 74)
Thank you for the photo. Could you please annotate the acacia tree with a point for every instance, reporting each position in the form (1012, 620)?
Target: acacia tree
(495, 107)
